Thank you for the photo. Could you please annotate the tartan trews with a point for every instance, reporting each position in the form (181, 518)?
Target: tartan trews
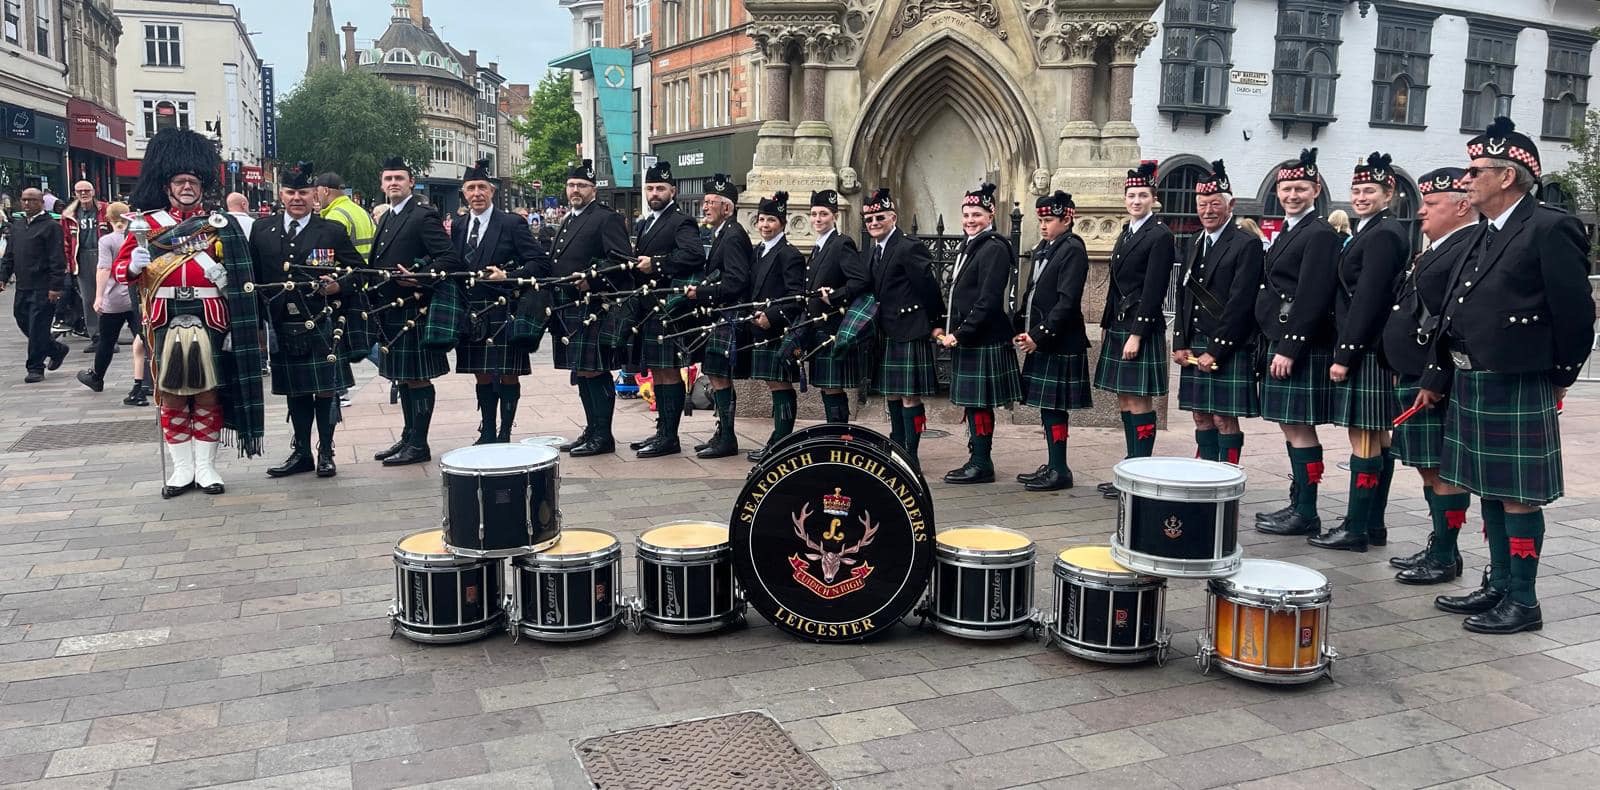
(1501, 437)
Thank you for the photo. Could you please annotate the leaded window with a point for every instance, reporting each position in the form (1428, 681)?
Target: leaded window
(1566, 84)
(1491, 67)
(1196, 55)
(1400, 69)
(1306, 66)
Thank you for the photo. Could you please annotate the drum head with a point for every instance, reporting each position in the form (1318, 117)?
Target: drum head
(1093, 558)
(983, 538)
(544, 441)
(831, 541)
(1273, 578)
(423, 544)
(582, 541)
(685, 535)
(497, 458)
(1179, 479)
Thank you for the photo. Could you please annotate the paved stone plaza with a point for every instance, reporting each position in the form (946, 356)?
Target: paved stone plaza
(242, 638)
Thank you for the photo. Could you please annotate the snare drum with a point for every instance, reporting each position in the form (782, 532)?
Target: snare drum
(982, 585)
(1178, 517)
(1269, 622)
(686, 578)
(1105, 612)
(439, 597)
(501, 500)
(569, 591)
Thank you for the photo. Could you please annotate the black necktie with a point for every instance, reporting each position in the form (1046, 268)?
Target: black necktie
(294, 229)
(472, 237)
(1205, 246)
(644, 227)
(877, 255)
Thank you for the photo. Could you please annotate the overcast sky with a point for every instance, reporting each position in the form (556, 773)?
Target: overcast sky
(521, 35)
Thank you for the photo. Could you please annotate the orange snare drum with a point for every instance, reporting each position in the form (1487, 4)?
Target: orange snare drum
(1269, 623)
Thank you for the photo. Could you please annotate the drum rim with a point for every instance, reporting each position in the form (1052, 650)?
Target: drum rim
(1126, 481)
(682, 552)
(1130, 579)
(568, 562)
(942, 548)
(1229, 586)
(545, 463)
(399, 551)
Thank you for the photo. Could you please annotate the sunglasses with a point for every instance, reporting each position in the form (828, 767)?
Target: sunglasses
(873, 219)
(1478, 171)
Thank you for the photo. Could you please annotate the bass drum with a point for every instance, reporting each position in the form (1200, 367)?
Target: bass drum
(850, 432)
(833, 535)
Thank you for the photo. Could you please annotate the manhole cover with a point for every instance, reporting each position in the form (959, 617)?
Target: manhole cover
(87, 434)
(934, 433)
(740, 750)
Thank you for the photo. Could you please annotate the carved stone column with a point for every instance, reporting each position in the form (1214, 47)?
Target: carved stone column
(777, 108)
(1130, 39)
(1080, 135)
(776, 136)
(813, 137)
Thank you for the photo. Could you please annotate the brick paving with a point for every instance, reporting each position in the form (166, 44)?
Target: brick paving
(241, 640)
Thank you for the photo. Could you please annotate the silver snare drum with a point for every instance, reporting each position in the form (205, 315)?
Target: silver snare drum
(982, 584)
(1178, 517)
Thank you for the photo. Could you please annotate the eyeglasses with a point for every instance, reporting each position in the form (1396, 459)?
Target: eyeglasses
(185, 182)
(873, 219)
(1476, 171)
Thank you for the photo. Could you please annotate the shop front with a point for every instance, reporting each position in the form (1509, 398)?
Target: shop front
(97, 140)
(695, 161)
(33, 149)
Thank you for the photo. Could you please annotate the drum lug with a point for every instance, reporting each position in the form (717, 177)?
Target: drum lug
(1163, 645)
(513, 612)
(632, 613)
(1332, 655)
(394, 619)
(1202, 655)
(1039, 627)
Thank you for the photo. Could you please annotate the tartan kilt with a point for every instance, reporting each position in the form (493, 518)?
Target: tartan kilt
(1306, 396)
(657, 354)
(1057, 381)
(984, 377)
(834, 369)
(495, 354)
(401, 356)
(1365, 399)
(1419, 441)
(908, 368)
(1231, 390)
(578, 347)
(1145, 375)
(305, 369)
(767, 363)
(1501, 437)
(720, 356)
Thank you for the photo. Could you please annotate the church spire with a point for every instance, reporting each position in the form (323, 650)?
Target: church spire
(322, 43)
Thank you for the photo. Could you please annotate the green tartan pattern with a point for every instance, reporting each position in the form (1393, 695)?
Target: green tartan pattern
(495, 354)
(908, 369)
(1365, 399)
(833, 369)
(401, 356)
(721, 356)
(301, 366)
(447, 315)
(767, 363)
(1057, 381)
(1419, 441)
(659, 354)
(1144, 375)
(1231, 390)
(1501, 437)
(984, 377)
(1305, 397)
(578, 347)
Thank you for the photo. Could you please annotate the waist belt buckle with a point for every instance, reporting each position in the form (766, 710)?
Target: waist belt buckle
(1461, 360)
(184, 292)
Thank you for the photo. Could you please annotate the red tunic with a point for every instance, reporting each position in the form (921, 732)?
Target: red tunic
(191, 273)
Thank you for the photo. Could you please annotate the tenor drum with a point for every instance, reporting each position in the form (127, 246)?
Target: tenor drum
(982, 584)
(833, 535)
(440, 597)
(1105, 612)
(568, 591)
(1178, 517)
(686, 579)
(1269, 623)
(501, 500)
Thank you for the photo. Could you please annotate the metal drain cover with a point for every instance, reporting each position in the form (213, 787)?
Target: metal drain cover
(737, 751)
(87, 434)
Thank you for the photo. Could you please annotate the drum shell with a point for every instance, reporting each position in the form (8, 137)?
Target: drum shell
(442, 599)
(687, 590)
(518, 509)
(1269, 623)
(980, 594)
(563, 597)
(1087, 603)
(1184, 527)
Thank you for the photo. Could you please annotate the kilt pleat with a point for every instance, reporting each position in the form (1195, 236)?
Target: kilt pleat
(659, 354)
(984, 376)
(908, 368)
(1365, 399)
(721, 355)
(1144, 375)
(1057, 381)
(495, 354)
(300, 366)
(579, 347)
(1231, 391)
(833, 369)
(1305, 397)
(405, 358)
(1501, 437)
(1419, 441)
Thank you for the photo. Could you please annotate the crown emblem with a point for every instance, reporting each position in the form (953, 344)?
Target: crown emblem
(1173, 526)
(1495, 147)
(836, 503)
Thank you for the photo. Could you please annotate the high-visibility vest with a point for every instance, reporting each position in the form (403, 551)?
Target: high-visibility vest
(357, 222)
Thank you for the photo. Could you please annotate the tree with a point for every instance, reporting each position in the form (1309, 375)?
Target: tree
(349, 122)
(553, 130)
(1582, 175)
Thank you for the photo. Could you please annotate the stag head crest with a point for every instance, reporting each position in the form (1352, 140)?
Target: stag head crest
(833, 559)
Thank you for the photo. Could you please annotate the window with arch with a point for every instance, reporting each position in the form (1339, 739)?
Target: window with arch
(398, 56)
(1566, 84)
(1175, 193)
(1196, 55)
(1306, 65)
(1400, 71)
(427, 58)
(1404, 207)
(1491, 69)
(1555, 193)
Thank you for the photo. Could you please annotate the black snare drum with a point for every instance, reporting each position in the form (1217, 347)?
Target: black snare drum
(1178, 517)
(500, 500)
(1105, 612)
(685, 578)
(569, 591)
(442, 598)
(982, 584)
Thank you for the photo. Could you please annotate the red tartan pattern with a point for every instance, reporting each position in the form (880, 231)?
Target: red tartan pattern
(207, 424)
(1523, 547)
(1314, 473)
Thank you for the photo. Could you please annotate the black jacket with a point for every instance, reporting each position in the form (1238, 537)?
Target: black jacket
(411, 235)
(588, 239)
(910, 304)
(1231, 274)
(728, 266)
(1301, 269)
(1056, 297)
(507, 243)
(35, 254)
(1420, 303)
(672, 241)
(780, 272)
(1369, 272)
(271, 250)
(837, 265)
(978, 314)
(1521, 304)
(1141, 267)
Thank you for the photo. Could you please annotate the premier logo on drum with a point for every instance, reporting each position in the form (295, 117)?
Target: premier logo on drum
(837, 505)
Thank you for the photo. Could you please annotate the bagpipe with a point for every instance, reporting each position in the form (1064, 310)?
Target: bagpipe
(308, 305)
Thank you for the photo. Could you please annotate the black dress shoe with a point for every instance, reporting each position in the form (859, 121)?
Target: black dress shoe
(1430, 571)
(299, 460)
(214, 489)
(1295, 524)
(1480, 600)
(88, 379)
(1028, 477)
(707, 443)
(1377, 536)
(33, 377)
(408, 455)
(1507, 617)
(325, 465)
(640, 444)
(659, 448)
(1107, 489)
(595, 445)
(393, 450)
(583, 438)
(1414, 560)
(57, 356)
(1340, 539)
(1050, 480)
(168, 492)
(1276, 515)
(755, 456)
(969, 474)
(718, 449)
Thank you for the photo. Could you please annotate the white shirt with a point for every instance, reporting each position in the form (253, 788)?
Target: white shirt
(822, 240)
(767, 245)
(1290, 221)
(1432, 243)
(401, 206)
(1217, 234)
(1135, 225)
(304, 221)
(1500, 221)
(481, 219)
(246, 222)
